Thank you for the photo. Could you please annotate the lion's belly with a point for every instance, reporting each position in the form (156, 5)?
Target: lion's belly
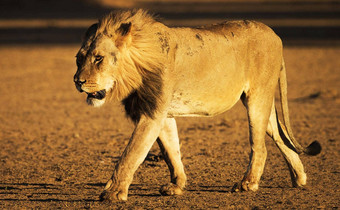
(209, 80)
(210, 96)
(191, 104)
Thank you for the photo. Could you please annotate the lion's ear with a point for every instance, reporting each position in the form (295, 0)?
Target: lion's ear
(124, 35)
(124, 29)
(90, 31)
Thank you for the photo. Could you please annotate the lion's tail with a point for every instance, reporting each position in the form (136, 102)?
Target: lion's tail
(314, 148)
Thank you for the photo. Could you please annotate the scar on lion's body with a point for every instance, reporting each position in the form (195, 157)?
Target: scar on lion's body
(164, 40)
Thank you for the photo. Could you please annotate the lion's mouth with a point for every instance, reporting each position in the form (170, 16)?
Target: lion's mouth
(97, 95)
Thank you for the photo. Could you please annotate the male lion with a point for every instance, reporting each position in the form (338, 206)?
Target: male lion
(160, 73)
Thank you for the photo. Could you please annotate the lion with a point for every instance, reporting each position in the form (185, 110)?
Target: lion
(159, 73)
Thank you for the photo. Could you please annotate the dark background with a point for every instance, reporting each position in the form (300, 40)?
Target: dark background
(64, 21)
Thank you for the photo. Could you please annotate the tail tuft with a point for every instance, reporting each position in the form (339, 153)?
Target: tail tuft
(313, 149)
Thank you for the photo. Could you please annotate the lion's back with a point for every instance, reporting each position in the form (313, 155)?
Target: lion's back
(246, 30)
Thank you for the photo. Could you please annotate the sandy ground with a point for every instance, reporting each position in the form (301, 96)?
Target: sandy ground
(56, 152)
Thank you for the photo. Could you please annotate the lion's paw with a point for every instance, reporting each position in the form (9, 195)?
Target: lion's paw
(299, 181)
(245, 186)
(111, 196)
(171, 189)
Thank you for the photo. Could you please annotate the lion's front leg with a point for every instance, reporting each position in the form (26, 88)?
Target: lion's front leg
(142, 139)
(168, 142)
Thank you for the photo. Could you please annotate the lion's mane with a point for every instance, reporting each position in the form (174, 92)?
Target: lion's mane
(139, 78)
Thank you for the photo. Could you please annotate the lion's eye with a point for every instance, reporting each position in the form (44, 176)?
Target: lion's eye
(98, 58)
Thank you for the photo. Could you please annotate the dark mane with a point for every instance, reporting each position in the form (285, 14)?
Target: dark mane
(145, 99)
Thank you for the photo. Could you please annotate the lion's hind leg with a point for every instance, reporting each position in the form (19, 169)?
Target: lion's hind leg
(281, 139)
(168, 142)
(258, 107)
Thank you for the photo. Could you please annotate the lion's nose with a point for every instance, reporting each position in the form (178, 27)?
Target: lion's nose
(78, 83)
(77, 80)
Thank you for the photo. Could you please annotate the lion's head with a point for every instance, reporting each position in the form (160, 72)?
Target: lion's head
(117, 56)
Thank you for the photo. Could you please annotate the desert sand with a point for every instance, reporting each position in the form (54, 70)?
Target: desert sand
(57, 152)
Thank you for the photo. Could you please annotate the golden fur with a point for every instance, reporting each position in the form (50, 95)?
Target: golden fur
(140, 57)
(159, 73)
(137, 59)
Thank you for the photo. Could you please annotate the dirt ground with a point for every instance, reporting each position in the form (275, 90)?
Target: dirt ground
(57, 152)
